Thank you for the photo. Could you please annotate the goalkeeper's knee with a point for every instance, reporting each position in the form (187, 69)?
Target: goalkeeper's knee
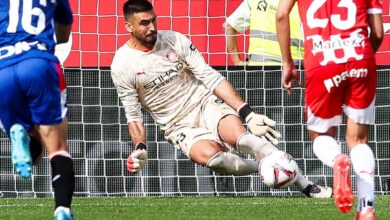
(227, 163)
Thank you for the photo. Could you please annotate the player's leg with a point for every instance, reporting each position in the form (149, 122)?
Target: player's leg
(324, 88)
(54, 139)
(216, 156)
(359, 107)
(224, 122)
(232, 132)
(363, 162)
(46, 93)
(328, 151)
(36, 148)
(204, 148)
(16, 119)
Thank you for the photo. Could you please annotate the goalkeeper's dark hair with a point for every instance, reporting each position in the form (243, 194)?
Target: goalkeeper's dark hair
(136, 6)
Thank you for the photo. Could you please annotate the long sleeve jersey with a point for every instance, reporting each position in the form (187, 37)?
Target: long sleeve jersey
(168, 81)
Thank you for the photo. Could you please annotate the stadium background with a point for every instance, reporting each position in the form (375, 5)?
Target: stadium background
(98, 137)
(98, 29)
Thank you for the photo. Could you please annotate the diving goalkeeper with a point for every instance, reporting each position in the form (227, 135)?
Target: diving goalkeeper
(198, 110)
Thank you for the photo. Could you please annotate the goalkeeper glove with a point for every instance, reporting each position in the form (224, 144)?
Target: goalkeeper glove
(137, 159)
(259, 125)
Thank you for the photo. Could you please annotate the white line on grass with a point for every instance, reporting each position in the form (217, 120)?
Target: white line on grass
(168, 204)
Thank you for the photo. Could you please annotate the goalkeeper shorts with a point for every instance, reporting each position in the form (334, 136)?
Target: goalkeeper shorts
(332, 89)
(200, 124)
(33, 92)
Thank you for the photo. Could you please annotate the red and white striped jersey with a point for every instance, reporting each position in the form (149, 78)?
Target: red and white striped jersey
(336, 31)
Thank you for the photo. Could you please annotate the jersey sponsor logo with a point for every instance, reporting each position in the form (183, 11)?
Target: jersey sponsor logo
(172, 56)
(218, 101)
(164, 78)
(329, 47)
(335, 81)
(262, 5)
(140, 73)
(19, 48)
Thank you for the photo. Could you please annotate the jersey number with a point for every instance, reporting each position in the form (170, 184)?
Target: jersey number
(335, 19)
(28, 12)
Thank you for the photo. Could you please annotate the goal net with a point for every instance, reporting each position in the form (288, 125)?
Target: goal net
(98, 135)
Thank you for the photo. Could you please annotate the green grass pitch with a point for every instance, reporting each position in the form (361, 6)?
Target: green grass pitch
(187, 208)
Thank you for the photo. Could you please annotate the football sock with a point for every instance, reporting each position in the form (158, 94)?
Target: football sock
(364, 204)
(62, 178)
(228, 163)
(363, 163)
(302, 182)
(326, 149)
(255, 146)
(35, 149)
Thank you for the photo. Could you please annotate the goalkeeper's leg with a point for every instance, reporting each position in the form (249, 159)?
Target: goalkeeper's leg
(215, 156)
(254, 145)
(233, 132)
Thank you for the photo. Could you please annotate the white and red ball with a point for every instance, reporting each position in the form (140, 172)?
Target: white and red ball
(278, 170)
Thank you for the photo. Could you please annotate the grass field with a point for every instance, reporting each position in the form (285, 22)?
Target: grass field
(187, 208)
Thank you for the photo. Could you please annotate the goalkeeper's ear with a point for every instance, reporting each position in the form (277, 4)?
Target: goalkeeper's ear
(129, 27)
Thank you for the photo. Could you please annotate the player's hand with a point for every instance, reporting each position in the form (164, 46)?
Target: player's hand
(137, 159)
(290, 73)
(240, 63)
(262, 126)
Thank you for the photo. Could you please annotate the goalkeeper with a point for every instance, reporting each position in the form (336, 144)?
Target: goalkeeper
(198, 110)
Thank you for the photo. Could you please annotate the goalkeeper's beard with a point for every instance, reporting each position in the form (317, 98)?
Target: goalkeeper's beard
(147, 40)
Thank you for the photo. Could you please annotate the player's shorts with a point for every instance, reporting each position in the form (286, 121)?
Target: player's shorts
(200, 124)
(33, 92)
(337, 87)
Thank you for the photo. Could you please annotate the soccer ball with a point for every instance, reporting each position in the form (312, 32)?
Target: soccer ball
(278, 170)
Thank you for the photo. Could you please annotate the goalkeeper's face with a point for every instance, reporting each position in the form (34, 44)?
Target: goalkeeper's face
(143, 27)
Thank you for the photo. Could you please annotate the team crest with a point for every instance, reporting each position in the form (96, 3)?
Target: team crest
(172, 56)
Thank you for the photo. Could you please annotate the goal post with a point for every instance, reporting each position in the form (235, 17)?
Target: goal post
(99, 143)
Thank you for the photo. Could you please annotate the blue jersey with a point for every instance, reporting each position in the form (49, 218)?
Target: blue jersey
(27, 28)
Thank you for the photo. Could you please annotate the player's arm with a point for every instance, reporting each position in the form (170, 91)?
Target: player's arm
(138, 158)
(283, 32)
(127, 93)
(232, 46)
(64, 19)
(238, 21)
(375, 23)
(259, 125)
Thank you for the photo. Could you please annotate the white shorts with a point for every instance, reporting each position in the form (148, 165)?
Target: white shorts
(200, 124)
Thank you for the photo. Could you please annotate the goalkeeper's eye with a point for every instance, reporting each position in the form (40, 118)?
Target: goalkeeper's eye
(148, 22)
(144, 23)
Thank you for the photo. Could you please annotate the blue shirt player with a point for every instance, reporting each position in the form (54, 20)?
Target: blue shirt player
(33, 90)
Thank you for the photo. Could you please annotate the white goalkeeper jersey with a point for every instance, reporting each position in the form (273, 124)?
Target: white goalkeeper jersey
(168, 81)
